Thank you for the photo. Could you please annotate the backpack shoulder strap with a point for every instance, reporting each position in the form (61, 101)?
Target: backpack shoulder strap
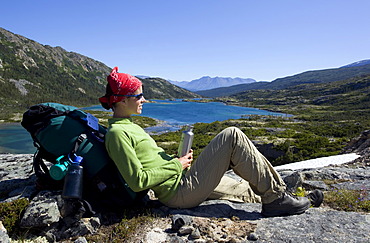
(44, 180)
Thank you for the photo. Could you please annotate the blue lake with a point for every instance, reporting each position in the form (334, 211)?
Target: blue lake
(15, 139)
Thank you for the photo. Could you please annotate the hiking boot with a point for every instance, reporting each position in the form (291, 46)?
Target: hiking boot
(316, 197)
(287, 204)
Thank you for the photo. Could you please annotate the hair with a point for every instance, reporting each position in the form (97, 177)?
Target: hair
(108, 93)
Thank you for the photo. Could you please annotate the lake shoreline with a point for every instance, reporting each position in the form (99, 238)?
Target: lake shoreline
(16, 117)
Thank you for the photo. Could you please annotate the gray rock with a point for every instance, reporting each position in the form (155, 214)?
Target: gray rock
(42, 211)
(186, 230)
(195, 234)
(316, 225)
(50, 237)
(293, 181)
(336, 173)
(179, 221)
(3, 234)
(80, 240)
(311, 185)
(252, 237)
(16, 174)
(360, 143)
(158, 235)
(82, 227)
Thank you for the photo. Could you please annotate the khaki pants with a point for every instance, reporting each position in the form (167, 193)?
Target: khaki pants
(231, 148)
(235, 190)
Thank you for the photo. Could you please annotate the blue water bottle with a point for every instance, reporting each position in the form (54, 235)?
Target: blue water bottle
(74, 178)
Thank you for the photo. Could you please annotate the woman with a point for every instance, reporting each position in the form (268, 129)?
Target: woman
(144, 165)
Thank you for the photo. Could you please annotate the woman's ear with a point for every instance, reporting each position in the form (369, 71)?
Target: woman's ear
(124, 101)
(120, 104)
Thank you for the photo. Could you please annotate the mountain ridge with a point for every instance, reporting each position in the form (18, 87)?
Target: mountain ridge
(307, 77)
(32, 73)
(358, 63)
(207, 82)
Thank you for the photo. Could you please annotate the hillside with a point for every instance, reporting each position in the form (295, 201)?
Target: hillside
(353, 93)
(345, 101)
(309, 77)
(31, 73)
(157, 88)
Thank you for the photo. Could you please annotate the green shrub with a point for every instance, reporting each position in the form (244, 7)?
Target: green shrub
(10, 213)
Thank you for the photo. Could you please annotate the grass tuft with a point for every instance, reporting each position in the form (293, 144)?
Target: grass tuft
(121, 231)
(127, 227)
(348, 200)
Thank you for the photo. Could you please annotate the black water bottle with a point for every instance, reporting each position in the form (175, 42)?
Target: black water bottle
(73, 179)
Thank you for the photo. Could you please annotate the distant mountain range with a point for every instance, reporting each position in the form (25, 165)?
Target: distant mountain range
(309, 77)
(207, 82)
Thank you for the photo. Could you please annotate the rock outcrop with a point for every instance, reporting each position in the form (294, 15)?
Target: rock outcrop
(212, 221)
(360, 145)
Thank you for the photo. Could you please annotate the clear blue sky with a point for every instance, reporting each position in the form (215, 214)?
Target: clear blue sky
(185, 40)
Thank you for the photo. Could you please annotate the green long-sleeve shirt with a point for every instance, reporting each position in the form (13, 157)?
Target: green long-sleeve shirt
(141, 162)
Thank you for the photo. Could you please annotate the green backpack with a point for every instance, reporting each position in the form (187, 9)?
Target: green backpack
(60, 130)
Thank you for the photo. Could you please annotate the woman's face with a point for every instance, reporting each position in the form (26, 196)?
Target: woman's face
(134, 105)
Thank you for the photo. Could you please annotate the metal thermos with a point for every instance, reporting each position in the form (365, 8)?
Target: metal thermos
(185, 142)
(73, 179)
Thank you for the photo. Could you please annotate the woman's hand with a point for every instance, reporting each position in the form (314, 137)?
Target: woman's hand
(186, 160)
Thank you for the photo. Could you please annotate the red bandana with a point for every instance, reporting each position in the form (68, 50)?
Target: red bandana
(121, 84)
